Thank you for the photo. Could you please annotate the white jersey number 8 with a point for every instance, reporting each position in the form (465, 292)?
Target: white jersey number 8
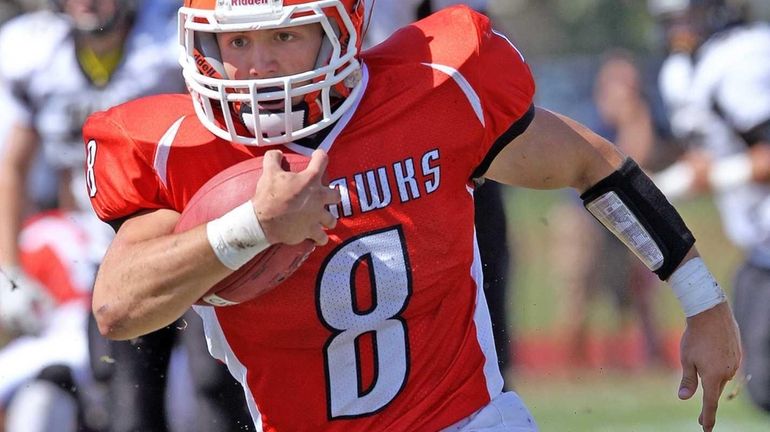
(90, 161)
(391, 284)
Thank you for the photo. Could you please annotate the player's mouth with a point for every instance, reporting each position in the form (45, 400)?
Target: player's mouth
(271, 105)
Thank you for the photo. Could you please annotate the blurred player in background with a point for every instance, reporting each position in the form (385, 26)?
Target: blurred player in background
(716, 85)
(385, 326)
(588, 259)
(45, 369)
(57, 68)
(491, 225)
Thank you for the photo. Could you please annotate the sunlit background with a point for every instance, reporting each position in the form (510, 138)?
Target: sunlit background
(613, 388)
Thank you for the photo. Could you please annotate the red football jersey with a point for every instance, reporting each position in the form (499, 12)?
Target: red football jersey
(386, 327)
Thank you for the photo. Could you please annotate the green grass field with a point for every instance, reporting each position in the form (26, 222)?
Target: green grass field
(595, 400)
(617, 402)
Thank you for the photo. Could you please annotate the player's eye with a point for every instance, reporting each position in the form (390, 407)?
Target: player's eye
(238, 42)
(284, 36)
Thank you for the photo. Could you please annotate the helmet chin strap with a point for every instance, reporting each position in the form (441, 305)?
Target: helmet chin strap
(274, 123)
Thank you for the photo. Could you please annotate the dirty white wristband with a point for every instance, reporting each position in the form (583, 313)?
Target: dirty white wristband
(695, 287)
(730, 172)
(236, 237)
(675, 181)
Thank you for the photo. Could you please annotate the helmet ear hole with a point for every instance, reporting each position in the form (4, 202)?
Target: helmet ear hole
(206, 45)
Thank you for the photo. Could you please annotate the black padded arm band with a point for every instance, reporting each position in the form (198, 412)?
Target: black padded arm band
(652, 210)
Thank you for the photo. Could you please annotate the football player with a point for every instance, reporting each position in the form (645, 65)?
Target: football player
(385, 326)
(57, 67)
(716, 86)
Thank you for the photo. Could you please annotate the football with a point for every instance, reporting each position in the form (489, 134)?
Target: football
(222, 193)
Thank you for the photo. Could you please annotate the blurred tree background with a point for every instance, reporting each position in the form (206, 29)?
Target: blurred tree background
(563, 41)
(549, 28)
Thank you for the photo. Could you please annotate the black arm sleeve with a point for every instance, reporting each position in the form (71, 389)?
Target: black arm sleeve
(651, 208)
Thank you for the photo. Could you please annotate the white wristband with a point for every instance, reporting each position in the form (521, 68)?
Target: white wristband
(696, 288)
(730, 172)
(675, 181)
(236, 237)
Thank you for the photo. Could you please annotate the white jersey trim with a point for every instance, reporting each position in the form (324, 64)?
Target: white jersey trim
(465, 86)
(511, 44)
(483, 322)
(163, 149)
(220, 350)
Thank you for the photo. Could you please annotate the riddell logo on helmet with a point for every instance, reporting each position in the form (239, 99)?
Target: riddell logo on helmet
(249, 2)
(204, 66)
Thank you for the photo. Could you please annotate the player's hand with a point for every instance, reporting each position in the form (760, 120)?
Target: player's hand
(760, 162)
(292, 207)
(711, 350)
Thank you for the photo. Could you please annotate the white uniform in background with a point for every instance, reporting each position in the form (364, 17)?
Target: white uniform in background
(44, 87)
(730, 74)
(50, 93)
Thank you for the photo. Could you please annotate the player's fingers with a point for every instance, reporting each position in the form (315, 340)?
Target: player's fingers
(689, 383)
(708, 415)
(317, 165)
(331, 195)
(319, 236)
(328, 220)
(271, 161)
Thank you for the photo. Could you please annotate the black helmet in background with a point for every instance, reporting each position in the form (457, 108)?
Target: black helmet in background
(688, 23)
(96, 16)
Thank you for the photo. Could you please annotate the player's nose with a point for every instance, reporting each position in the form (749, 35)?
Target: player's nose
(263, 63)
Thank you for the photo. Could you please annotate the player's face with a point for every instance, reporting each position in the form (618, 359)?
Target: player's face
(682, 33)
(271, 53)
(91, 14)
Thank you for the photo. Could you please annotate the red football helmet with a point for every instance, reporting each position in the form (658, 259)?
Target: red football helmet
(326, 90)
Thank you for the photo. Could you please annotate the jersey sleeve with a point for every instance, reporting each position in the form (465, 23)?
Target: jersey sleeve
(495, 73)
(506, 89)
(120, 178)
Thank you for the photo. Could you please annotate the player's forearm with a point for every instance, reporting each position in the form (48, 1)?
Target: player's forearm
(12, 199)
(147, 285)
(16, 158)
(697, 173)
